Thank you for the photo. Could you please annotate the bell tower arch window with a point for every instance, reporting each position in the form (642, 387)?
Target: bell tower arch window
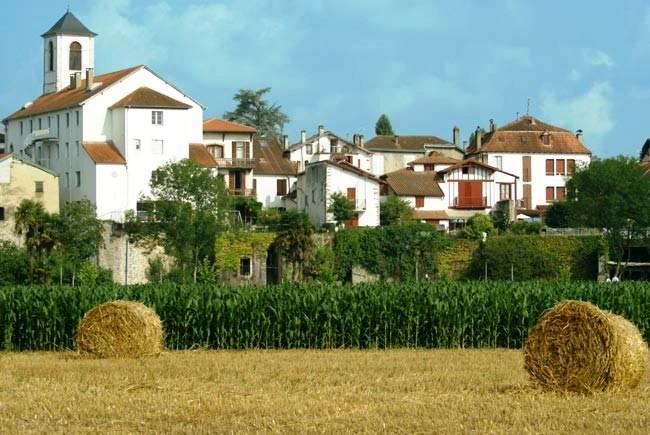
(75, 56)
(50, 54)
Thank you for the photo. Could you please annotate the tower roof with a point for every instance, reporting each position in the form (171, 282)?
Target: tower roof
(69, 25)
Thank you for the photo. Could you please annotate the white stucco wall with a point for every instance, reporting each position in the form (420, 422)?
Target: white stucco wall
(320, 150)
(60, 78)
(266, 190)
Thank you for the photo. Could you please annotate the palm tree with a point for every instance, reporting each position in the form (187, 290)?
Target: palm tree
(36, 225)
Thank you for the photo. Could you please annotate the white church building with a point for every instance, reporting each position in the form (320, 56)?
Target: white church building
(102, 134)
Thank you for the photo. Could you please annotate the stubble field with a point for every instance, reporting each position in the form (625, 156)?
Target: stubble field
(293, 391)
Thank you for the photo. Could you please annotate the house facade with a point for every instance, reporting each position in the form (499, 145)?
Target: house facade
(275, 176)
(22, 179)
(397, 151)
(323, 178)
(104, 134)
(231, 146)
(543, 157)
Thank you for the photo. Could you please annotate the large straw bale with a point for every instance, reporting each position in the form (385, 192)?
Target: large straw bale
(575, 346)
(119, 328)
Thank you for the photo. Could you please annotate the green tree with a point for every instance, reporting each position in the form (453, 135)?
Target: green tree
(14, 264)
(39, 230)
(645, 149)
(253, 110)
(383, 126)
(613, 194)
(395, 210)
(79, 234)
(248, 208)
(341, 208)
(477, 225)
(190, 208)
(294, 241)
(558, 215)
(472, 138)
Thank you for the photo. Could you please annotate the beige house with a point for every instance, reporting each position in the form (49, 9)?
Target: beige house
(21, 179)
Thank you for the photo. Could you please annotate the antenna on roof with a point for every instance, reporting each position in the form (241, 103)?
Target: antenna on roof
(517, 115)
(528, 108)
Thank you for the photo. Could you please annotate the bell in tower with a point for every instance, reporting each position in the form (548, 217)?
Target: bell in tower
(69, 48)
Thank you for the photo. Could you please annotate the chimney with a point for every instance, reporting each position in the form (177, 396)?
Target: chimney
(286, 141)
(355, 139)
(492, 125)
(532, 121)
(303, 136)
(77, 78)
(361, 140)
(479, 137)
(73, 81)
(456, 136)
(579, 134)
(90, 78)
(396, 140)
(321, 130)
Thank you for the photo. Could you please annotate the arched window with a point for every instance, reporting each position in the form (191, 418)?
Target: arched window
(75, 56)
(50, 53)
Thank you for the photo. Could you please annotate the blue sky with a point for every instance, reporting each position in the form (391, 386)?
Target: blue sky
(429, 65)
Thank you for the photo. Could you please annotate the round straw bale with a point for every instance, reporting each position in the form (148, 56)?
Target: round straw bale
(120, 329)
(575, 346)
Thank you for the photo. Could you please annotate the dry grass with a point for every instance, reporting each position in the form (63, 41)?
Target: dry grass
(395, 391)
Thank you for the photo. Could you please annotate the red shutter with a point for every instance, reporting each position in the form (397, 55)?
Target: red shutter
(352, 193)
(419, 201)
(550, 194)
(560, 167)
(549, 167)
(527, 196)
(570, 164)
(560, 192)
(526, 166)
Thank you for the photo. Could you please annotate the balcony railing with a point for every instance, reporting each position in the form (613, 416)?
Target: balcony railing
(471, 202)
(235, 163)
(241, 192)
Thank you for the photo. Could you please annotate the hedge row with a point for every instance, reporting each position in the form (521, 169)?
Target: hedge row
(492, 314)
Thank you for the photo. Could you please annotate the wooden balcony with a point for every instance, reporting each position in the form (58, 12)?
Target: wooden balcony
(235, 163)
(471, 202)
(241, 192)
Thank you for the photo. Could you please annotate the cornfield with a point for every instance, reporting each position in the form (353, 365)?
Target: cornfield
(382, 315)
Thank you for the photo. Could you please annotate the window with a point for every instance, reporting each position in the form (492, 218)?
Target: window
(570, 164)
(156, 146)
(67, 180)
(57, 152)
(78, 178)
(77, 117)
(550, 167)
(50, 54)
(244, 266)
(559, 166)
(31, 125)
(38, 187)
(21, 128)
(465, 170)
(2, 213)
(498, 162)
(240, 150)
(216, 151)
(49, 122)
(550, 194)
(504, 191)
(281, 187)
(419, 201)
(75, 56)
(137, 144)
(58, 123)
(67, 119)
(429, 166)
(157, 117)
(67, 150)
(40, 123)
(334, 145)
(546, 138)
(76, 144)
(308, 148)
(560, 192)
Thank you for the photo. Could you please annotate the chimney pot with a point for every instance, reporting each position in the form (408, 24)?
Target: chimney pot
(361, 142)
(579, 134)
(456, 136)
(396, 140)
(90, 78)
(492, 125)
(285, 141)
(73, 81)
(479, 138)
(355, 139)
(321, 130)
(303, 136)
(77, 78)
(532, 120)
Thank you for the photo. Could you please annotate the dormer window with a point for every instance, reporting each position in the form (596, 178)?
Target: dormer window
(546, 138)
(75, 56)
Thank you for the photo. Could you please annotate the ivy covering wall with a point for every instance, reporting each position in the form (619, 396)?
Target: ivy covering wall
(230, 247)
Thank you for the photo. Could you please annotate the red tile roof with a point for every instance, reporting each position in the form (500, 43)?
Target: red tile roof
(471, 162)
(148, 98)
(430, 215)
(269, 158)
(217, 125)
(403, 143)
(67, 97)
(199, 154)
(434, 157)
(406, 182)
(525, 134)
(104, 153)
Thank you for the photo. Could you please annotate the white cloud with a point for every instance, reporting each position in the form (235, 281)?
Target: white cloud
(215, 43)
(591, 111)
(597, 58)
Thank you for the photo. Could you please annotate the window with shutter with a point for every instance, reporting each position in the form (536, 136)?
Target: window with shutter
(560, 167)
(281, 187)
(419, 201)
(550, 194)
(526, 167)
(560, 193)
(570, 164)
(550, 170)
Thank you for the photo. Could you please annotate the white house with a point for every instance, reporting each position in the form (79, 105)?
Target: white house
(542, 155)
(326, 145)
(324, 177)
(274, 175)
(102, 134)
(231, 146)
(447, 192)
(397, 151)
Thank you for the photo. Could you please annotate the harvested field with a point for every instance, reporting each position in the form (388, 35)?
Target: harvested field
(292, 391)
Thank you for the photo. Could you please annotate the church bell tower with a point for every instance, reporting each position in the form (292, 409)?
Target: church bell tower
(68, 49)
